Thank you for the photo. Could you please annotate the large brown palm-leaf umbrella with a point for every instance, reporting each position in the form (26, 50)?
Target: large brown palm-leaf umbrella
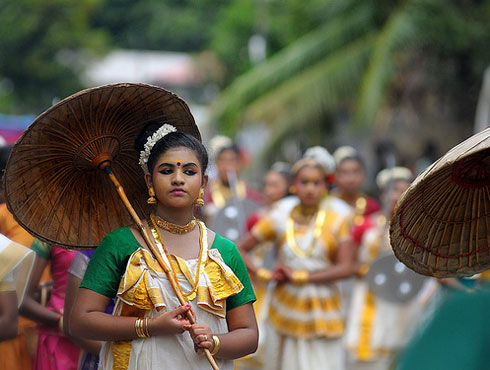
(54, 185)
(441, 226)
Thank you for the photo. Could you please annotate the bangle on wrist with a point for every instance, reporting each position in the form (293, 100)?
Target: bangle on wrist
(263, 274)
(363, 269)
(146, 330)
(60, 323)
(141, 327)
(300, 277)
(217, 344)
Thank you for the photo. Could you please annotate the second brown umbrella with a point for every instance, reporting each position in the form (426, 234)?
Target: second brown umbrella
(441, 225)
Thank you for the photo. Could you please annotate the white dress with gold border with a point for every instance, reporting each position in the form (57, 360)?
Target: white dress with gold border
(145, 291)
(304, 321)
(376, 328)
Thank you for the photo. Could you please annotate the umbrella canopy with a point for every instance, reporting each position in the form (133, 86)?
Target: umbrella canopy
(441, 225)
(52, 184)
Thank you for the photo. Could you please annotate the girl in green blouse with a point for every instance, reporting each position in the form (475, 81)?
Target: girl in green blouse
(148, 328)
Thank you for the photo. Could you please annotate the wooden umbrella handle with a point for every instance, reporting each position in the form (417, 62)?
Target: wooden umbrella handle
(154, 250)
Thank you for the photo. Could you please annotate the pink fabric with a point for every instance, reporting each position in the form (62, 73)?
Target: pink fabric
(54, 350)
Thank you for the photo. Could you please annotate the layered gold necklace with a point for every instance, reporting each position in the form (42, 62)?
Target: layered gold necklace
(203, 251)
(174, 228)
(360, 210)
(317, 231)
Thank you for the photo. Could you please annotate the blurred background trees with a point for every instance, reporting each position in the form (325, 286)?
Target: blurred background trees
(305, 71)
(37, 38)
(362, 63)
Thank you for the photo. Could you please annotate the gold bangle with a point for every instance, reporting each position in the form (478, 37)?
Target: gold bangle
(300, 277)
(138, 325)
(217, 344)
(147, 332)
(263, 274)
(363, 269)
(60, 324)
(137, 328)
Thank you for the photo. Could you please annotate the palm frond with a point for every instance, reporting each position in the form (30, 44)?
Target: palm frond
(317, 89)
(398, 31)
(306, 51)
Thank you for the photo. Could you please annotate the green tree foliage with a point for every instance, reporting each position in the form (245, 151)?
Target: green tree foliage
(230, 36)
(176, 25)
(351, 56)
(41, 40)
(35, 38)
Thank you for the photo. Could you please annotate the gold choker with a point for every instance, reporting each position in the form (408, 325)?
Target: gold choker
(174, 228)
(303, 215)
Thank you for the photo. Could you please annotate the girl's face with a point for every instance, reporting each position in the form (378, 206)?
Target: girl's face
(395, 193)
(275, 187)
(310, 186)
(177, 178)
(350, 176)
(227, 161)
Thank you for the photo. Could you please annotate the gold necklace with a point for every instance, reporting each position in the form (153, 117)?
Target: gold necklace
(174, 228)
(203, 251)
(360, 209)
(291, 239)
(303, 215)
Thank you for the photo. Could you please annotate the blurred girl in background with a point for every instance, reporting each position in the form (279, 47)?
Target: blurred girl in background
(305, 324)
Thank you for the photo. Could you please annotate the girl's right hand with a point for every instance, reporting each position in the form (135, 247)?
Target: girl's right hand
(279, 275)
(170, 322)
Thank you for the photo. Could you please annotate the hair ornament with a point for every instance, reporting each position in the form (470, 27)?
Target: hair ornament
(388, 175)
(322, 156)
(150, 143)
(344, 152)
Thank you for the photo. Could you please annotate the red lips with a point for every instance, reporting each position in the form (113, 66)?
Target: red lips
(178, 191)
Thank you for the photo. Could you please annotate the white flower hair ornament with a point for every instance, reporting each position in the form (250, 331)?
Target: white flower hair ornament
(150, 143)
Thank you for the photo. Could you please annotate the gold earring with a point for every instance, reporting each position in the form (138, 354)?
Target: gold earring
(200, 200)
(292, 189)
(151, 193)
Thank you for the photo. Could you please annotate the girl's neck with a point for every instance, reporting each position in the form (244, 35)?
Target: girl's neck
(308, 210)
(178, 216)
(303, 214)
(348, 197)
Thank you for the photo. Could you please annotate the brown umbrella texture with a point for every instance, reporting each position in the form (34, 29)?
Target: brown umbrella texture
(441, 226)
(52, 184)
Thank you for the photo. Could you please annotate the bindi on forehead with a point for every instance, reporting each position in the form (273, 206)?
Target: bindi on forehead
(179, 162)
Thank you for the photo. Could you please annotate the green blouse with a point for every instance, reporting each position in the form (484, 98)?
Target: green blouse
(42, 249)
(108, 265)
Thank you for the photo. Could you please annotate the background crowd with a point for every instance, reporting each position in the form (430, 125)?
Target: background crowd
(314, 242)
(317, 115)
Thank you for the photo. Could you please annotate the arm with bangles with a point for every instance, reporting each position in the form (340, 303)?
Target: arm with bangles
(342, 268)
(88, 320)
(241, 339)
(31, 308)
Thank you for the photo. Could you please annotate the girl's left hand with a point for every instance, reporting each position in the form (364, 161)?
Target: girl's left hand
(283, 274)
(202, 337)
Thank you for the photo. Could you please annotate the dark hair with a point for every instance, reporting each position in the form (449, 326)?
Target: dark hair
(355, 158)
(172, 140)
(233, 147)
(283, 169)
